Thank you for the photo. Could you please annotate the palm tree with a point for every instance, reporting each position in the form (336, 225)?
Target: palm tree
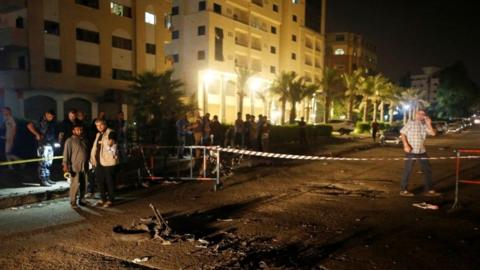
(352, 83)
(415, 99)
(308, 93)
(243, 75)
(393, 99)
(281, 88)
(156, 94)
(378, 84)
(328, 85)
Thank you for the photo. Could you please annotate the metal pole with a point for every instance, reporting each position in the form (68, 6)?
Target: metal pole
(455, 202)
(191, 163)
(204, 162)
(217, 180)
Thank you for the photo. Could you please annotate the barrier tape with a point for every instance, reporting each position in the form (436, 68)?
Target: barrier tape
(304, 157)
(5, 163)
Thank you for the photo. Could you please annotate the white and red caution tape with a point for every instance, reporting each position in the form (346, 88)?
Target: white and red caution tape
(306, 157)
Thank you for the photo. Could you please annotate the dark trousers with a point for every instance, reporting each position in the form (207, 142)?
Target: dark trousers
(105, 178)
(426, 169)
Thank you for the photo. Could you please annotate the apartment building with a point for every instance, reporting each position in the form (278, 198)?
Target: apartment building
(212, 39)
(428, 82)
(63, 54)
(349, 51)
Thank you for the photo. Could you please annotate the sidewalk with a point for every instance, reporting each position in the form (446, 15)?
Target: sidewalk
(21, 191)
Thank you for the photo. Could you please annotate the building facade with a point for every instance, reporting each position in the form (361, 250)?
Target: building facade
(212, 40)
(348, 51)
(64, 54)
(428, 82)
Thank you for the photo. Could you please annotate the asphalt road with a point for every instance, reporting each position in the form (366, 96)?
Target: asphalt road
(313, 215)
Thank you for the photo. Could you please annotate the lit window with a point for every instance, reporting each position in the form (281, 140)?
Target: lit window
(339, 52)
(295, 1)
(120, 10)
(150, 18)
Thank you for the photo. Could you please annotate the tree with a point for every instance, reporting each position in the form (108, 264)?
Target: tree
(281, 88)
(328, 85)
(414, 99)
(393, 99)
(243, 75)
(308, 92)
(352, 83)
(457, 94)
(156, 96)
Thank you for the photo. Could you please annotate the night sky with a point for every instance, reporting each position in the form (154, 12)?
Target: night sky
(413, 33)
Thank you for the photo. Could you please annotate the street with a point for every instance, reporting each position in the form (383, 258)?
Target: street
(292, 215)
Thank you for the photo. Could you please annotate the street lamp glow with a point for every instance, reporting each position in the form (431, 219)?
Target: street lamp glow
(208, 77)
(254, 84)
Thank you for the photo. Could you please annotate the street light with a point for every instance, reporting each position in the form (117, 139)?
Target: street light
(207, 78)
(254, 84)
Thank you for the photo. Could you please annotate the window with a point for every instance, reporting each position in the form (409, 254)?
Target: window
(339, 52)
(53, 65)
(175, 10)
(294, 56)
(218, 44)
(176, 58)
(201, 30)
(275, 7)
(88, 3)
(201, 55)
(121, 43)
(150, 18)
(167, 21)
(202, 5)
(52, 28)
(217, 8)
(120, 10)
(294, 38)
(88, 36)
(272, 69)
(86, 70)
(294, 18)
(273, 49)
(295, 1)
(339, 38)
(120, 74)
(176, 34)
(150, 48)
(19, 23)
(273, 29)
(22, 63)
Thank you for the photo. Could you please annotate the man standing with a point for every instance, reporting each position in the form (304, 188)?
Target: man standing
(302, 132)
(413, 136)
(181, 126)
(67, 126)
(104, 157)
(238, 131)
(10, 132)
(374, 131)
(45, 133)
(217, 131)
(75, 161)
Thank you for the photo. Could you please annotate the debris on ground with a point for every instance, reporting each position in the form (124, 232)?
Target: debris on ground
(424, 205)
(141, 259)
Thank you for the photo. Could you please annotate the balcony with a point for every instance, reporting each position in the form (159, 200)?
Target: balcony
(258, 2)
(15, 78)
(11, 5)
(256, 44)
(241, 39)
(14, 37)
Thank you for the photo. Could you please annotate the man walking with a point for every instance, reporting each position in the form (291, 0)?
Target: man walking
(10, 132)
(374, 131)
(413, 136)
(104, 157)
(75, 162)
(45, 133)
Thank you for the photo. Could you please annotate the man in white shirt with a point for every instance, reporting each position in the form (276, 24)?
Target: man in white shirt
(413, 136)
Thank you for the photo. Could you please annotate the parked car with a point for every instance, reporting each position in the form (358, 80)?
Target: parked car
(454, 127)
(391, 136)
(342, 126)
(440, 126)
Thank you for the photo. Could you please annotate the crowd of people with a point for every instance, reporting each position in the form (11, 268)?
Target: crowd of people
(201, 130)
